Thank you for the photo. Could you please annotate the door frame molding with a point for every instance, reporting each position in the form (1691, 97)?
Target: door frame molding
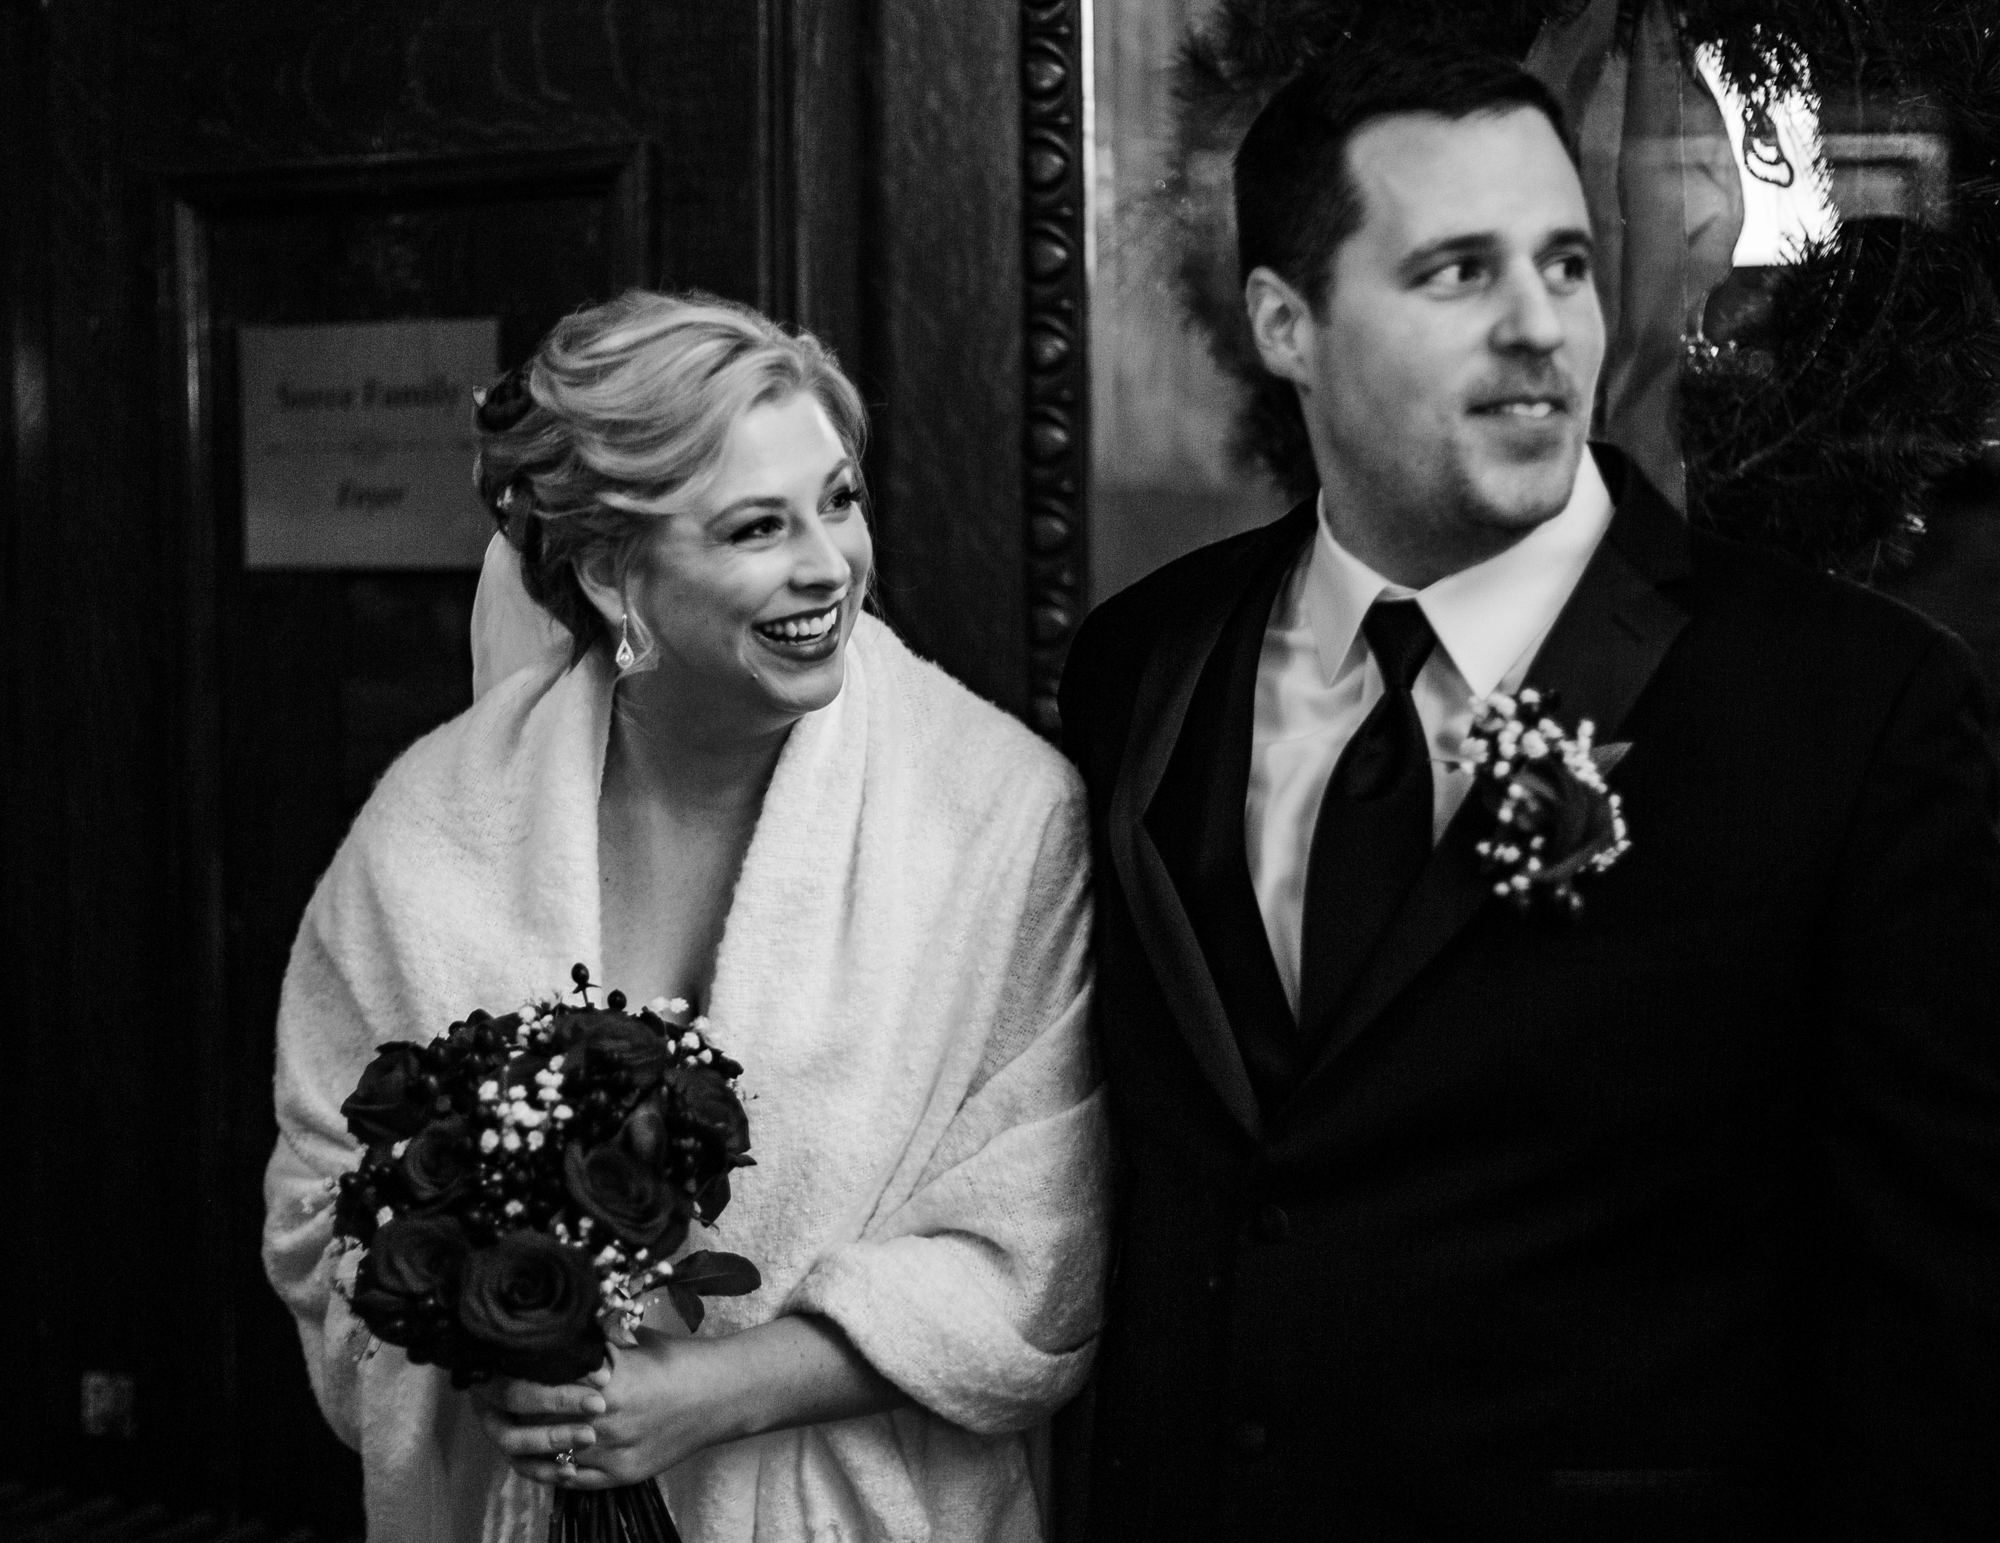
(1055, 178)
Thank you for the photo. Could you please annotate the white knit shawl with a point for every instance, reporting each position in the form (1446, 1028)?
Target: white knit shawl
(904, 974)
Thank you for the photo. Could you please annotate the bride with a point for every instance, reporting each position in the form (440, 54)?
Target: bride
(715, 775)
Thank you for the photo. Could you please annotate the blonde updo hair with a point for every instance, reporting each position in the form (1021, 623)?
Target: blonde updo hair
(623, 409)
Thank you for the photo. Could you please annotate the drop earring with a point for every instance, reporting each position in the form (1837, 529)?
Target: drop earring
(624, 657)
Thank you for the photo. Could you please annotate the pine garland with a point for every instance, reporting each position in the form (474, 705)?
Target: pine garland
(1882, 368)
(1873, 377)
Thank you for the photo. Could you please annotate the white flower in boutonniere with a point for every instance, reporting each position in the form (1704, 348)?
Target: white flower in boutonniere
(1554, 820)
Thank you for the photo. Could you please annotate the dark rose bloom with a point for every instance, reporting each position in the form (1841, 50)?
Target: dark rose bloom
(481, 1032)
(633, 1198)
(1573, 819)
(613, 1048)
(414, 1256)
(532, 1303)
(645, 1135)
(712, 1135)
(440, 1164)
(699, 1101)
(393, 1098)
(391, 1317)
(406, 1282)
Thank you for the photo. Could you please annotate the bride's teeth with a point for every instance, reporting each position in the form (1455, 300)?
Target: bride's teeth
(797, 630)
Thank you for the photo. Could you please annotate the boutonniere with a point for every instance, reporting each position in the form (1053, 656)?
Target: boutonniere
(1554, 820)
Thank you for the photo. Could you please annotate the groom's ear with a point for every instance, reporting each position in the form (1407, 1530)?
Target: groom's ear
(1281, 323)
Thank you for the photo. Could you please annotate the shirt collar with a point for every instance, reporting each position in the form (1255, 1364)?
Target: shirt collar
(1486, 616)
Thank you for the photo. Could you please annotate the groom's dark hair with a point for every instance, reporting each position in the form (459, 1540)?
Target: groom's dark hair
(1296, 198)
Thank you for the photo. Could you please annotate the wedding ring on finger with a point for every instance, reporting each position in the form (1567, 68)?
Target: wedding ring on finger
(566, 1463)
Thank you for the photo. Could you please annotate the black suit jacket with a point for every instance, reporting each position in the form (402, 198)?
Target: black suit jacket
(1678, 1219)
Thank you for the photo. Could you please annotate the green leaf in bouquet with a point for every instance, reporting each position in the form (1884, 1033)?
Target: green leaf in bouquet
(688, 1305)
(705, 1273)
(716, 1275)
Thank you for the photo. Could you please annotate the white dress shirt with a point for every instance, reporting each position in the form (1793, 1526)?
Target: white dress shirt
(1317, 681)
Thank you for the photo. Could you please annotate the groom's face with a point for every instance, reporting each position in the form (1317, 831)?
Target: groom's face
(1450, 373)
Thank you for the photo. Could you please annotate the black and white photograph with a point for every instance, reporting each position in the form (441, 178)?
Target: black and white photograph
(1000, 771)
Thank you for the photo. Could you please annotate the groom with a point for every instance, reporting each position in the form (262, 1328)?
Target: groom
(1675, 1217)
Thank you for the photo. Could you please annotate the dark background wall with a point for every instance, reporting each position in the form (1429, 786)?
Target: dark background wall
(183, 741)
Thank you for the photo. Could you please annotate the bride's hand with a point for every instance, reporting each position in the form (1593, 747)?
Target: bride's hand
(670, 1396)
(658, 1403)
(532, 1422)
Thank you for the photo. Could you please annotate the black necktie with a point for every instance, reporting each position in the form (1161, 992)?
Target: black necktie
(1373, 835)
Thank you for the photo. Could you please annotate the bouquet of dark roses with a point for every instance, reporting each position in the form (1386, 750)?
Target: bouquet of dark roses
(525, 1184)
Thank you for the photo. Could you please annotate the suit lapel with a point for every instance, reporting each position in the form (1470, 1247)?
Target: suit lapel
(1605, 646)
(1160, 711)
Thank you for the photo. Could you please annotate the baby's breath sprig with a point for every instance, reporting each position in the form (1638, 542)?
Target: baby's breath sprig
(1554, 818)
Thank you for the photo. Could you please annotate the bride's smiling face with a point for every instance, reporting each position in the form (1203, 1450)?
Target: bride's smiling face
(751, 591)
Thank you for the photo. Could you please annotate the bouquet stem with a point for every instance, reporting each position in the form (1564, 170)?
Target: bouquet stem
(632, 1513)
